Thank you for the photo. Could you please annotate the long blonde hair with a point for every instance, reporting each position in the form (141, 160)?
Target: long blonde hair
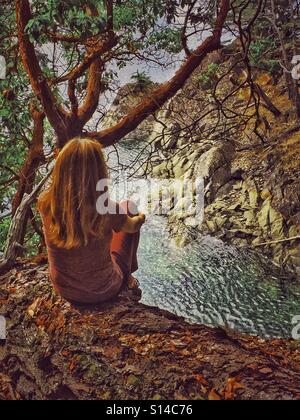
(72, 196)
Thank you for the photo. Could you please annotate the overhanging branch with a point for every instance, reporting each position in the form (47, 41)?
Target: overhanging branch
(165, 92)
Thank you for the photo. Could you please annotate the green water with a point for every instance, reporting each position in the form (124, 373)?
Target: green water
(207, 281)
(216, 284)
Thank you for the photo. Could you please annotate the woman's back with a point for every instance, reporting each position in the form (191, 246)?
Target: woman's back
(88, 273)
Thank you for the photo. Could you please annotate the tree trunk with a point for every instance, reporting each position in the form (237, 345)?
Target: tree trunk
(296, 98)
(16, 229)
(28, 172)
(63, 122)
(34, 159)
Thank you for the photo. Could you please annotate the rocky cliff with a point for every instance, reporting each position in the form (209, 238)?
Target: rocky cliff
(252, 184)
(127, 98)
(251, 173)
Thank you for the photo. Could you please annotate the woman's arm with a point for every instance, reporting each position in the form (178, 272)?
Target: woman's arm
(133, 224)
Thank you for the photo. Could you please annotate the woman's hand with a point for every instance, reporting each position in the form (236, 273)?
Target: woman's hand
(134, 224)
(142, 219)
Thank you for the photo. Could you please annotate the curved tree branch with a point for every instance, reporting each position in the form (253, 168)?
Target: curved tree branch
(151, 104)
(96, 67)
(68, 125)
(184, 36)
(37, 78)
(89, 107)
(92, 56)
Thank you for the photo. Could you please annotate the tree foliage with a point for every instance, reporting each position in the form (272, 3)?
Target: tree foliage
(63, 59)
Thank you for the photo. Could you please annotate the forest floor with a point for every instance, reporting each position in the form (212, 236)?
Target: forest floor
(126, 350)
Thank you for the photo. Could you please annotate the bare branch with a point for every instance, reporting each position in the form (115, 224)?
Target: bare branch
(151, 104)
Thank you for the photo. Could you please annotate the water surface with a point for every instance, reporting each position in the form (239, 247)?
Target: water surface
(208, 281)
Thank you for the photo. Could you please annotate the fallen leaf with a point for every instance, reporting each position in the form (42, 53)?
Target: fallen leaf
(214, 396)
(201, 379)
(4, 378)
(264, 79)
(179, 344)
(133, 380)
(78, 387)
(180, 397)
(253, 366)
(231, 387)
(111, 352)
(33, 307)
(266, 371)
(73, 364)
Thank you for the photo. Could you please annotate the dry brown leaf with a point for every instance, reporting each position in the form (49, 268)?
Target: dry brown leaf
(179, 343)
(266, 371)
(178, 396)
(264, 79)
(4, 378)
(41, 321)
(231, 387)
(33, 307)
(214, 395)
(253, 366)
(201, 379)
(73, 363)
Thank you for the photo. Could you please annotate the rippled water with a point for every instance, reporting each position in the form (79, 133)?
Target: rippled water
(213, 283)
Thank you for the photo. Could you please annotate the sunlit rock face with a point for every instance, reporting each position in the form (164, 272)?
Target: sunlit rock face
(128, 97)
(252, 189)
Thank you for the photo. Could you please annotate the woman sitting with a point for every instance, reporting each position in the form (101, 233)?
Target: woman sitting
(92, 254)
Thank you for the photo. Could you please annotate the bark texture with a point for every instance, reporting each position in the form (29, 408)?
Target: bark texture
(16, 230)
(34, 159)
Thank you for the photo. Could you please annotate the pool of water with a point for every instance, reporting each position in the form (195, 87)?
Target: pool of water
(215, 284)
(210, 282)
